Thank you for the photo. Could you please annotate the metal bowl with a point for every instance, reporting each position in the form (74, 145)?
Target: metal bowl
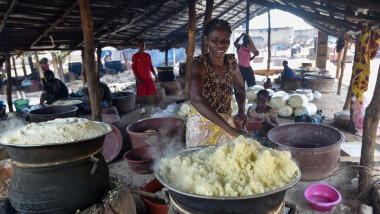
(268, 202)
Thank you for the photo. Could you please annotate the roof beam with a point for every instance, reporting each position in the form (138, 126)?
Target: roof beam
(73, 6)
(315, 16)
(6, 15)
(334, 9)
(159, 23)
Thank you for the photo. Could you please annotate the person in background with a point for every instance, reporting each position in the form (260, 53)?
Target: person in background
(44, 63)
(53, 88)
(244, 55)
(295, 50)
(105, 95)
(107, 59)
(263, 112)
(142, 67)
(213, 78)
(288, 73)
(268, 84)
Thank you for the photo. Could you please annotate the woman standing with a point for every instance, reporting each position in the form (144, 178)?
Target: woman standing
(213, 78)
(244, 55)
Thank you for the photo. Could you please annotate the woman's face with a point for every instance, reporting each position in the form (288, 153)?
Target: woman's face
(218, 41)
(261, 101)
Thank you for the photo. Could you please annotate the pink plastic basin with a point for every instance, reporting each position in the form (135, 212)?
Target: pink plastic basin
(322, 197)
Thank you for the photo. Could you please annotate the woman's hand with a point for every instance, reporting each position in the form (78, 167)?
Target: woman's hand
(138, 81)
(242, 118)
(237, 132)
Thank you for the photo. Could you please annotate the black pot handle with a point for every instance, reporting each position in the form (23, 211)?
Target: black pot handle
(95, 166)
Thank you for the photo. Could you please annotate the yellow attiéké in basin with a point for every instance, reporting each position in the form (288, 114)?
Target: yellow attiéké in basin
(241, 168)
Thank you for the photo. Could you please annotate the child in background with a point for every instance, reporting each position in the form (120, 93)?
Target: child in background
(268, 84)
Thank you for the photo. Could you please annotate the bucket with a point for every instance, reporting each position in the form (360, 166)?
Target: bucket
(162, 132)
(165, 73)
(124, 101)
(52, 112)
(182, 68)
(314, 147)
(153, 206)
(21, 104)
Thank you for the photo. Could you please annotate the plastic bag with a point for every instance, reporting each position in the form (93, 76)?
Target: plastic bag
(298, 100)
(305, 118)
(250, 95)
(358, 115)
(317, 95)
(170, 111)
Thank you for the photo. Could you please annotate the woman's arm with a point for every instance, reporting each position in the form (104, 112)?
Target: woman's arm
(236, 43)
(196, 86)
(239, 88)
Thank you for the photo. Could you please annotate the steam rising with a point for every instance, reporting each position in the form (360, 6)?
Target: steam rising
(9, 127)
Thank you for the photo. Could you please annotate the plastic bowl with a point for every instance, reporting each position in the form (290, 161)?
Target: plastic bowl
(253, 124)
(322, 197)
(153, 206)
(141, 160)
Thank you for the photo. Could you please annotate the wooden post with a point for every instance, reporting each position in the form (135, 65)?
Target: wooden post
(343, 66)
(350, 94)
(31, 64)
(371, 121)
(269, 44)
(247, 17)
(208, 15)
(338, 65)
(166, 54)
(24, 67)
(89, 63)
(9, 82)
(322, 47)
(83, 72)
(14, 68)
(55, 65)
(125, 60)
(60, 68)
(40, 72)
(191, 46)
(98, 60)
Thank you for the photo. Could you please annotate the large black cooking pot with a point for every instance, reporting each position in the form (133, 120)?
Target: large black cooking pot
(51, 113)
(268, 202)
(57, 178)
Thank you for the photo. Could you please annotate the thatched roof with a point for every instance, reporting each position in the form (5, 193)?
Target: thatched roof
(30, 25)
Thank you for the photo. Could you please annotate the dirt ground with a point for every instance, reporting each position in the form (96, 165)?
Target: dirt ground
(344, 181)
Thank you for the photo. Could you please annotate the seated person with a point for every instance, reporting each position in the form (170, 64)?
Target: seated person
(104, 93)
(268, 84)
(288, 73)
(53, 88)
(265, 113)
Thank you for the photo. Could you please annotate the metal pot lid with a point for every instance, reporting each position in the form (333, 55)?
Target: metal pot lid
(112, 144)
(186, 152)
(54, 144)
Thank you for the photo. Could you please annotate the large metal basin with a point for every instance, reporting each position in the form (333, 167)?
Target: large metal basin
(314, 147)
(52, 112)
(167, 130)
(269, 202)
(320, 83)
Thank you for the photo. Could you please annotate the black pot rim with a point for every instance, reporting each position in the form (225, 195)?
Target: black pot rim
(55, 144)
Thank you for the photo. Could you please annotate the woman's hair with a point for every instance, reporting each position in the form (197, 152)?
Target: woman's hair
(264, 93)
(44, 61)
(214, 23)
(49, 72)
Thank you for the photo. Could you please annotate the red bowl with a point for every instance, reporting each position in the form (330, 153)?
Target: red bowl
(154, 207)
(141, 160)
(253, 124)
